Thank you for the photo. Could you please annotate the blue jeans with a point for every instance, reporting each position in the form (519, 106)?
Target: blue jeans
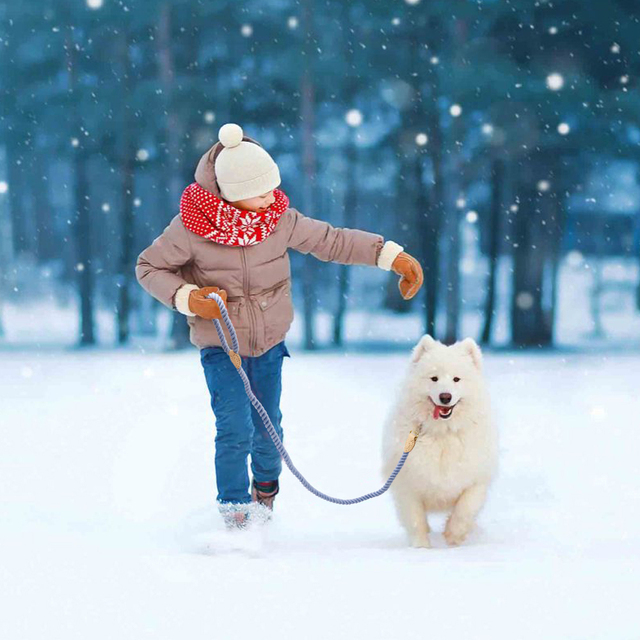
(239, 427)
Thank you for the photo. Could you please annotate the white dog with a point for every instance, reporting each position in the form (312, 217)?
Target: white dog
(443, 399)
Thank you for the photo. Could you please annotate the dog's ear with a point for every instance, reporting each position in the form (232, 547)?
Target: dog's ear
(425, 344)
(470, 347)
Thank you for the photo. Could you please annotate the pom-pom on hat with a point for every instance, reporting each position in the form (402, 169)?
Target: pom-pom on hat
(243, 169)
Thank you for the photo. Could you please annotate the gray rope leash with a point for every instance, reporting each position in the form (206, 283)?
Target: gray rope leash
(235, 358)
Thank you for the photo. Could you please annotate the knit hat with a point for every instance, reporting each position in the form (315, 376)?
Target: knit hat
(243, 169)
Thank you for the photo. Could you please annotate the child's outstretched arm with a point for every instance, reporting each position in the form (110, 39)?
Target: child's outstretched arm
(341, 245)
(354, 246)
(158, 265)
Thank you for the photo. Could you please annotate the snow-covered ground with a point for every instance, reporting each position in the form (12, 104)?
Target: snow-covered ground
(109, 528)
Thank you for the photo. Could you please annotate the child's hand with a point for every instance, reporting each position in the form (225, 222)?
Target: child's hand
(206, 307)
(411, 271)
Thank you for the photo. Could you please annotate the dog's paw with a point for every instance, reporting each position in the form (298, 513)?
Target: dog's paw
(421, 543)
(456, 531)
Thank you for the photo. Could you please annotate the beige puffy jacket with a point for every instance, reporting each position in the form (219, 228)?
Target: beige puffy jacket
(257, 278)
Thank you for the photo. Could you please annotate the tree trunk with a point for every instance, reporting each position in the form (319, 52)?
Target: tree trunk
(127, 150)
(530, 324)
(638, 287)
(638, 243)
(307, 94)
(351, 187)
(84, 247)
(350, 206)
(493, 230)
(432, 224)
(432, 220)
(82, 217)
(455, 168)
(173, 133)
(555, 230)
(597, 286)
(452, 237)
(6, 242)
(45, 245)
(411, 196)
(16, 194)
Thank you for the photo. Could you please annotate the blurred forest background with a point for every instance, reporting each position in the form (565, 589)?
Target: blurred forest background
(497, 140)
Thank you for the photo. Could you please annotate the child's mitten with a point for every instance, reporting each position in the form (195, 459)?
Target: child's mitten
(206, 307)
(411, 271)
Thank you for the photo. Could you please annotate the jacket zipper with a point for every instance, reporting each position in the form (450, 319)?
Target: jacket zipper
(246, 293)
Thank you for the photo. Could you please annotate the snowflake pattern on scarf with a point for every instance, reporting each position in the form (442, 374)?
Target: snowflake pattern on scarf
(216, 219)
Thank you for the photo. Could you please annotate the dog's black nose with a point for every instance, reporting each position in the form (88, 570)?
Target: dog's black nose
(445, 398)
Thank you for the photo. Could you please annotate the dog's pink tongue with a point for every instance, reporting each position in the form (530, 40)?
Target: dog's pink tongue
(436, 411)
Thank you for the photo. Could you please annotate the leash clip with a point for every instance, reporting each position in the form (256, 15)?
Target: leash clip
(411, 442)
(235, 358)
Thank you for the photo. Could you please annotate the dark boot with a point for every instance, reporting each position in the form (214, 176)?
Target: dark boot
(265, 492)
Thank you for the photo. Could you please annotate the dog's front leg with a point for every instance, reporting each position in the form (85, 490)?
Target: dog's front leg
(414, 519)
(462, 518)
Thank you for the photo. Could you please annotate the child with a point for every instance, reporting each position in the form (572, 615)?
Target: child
(231, 236)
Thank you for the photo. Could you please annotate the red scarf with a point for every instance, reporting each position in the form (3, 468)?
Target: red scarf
(211, 217)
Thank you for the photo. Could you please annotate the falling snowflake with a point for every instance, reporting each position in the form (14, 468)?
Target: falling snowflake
(524, 300)
(353, 117)
(555, 81)
(574, 258)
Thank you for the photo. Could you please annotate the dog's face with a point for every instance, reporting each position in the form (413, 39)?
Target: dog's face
(445, 378)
